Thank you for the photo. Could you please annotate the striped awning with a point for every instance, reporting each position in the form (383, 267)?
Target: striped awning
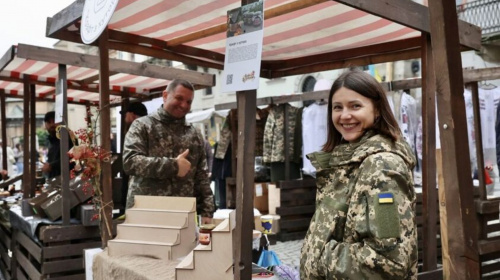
(300, 36)
(39, 67)
(324, 27)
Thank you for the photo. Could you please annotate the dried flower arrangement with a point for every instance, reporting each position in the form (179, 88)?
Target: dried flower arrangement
(88, 156)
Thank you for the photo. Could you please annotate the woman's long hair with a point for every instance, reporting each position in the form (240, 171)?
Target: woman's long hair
(364, 84)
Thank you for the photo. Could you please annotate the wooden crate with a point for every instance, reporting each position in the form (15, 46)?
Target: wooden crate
(297, 205)
(59, 255)
(5, 246)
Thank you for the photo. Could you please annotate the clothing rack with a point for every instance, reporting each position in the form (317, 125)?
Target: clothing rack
(321, 95)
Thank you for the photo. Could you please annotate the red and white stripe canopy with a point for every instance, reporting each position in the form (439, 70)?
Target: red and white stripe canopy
(82, 82)
(324, 27)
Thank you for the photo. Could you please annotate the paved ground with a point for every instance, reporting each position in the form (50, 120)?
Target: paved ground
(288, 252)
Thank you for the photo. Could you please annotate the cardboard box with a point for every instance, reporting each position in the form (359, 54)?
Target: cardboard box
(261, 198)
(274, 198)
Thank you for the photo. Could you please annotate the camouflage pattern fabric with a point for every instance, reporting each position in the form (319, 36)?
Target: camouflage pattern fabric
(151, 147)
(226, 133)
(274, 133)
(354, 234)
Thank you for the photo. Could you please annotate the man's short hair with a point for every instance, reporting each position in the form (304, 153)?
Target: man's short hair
(137, 108)
(174, 83)
(49, 116)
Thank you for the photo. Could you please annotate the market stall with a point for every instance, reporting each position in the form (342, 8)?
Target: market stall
(309, 36)
(49, 247)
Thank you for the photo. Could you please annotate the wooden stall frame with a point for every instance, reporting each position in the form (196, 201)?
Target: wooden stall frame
(423, 19)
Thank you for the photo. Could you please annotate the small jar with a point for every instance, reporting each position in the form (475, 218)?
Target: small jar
(206, 233)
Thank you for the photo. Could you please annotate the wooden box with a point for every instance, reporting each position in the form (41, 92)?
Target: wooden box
(52, 206)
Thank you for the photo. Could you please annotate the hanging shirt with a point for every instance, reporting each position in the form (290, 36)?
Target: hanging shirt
(408, 119)
(314, 133)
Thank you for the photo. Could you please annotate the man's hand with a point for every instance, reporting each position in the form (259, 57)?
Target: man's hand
(46, 168)
(183, 163)
(206, 220)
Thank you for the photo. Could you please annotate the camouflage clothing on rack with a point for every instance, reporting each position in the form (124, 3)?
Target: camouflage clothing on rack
(151, 147)
(274, 134)
(364, 225)
(226, 132)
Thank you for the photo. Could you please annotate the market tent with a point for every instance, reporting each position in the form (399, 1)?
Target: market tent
(40, 66)
(299, 36)
(306, 36)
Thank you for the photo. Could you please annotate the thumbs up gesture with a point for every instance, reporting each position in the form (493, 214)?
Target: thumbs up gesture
(183, 163)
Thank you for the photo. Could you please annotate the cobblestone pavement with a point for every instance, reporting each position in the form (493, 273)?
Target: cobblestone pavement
(288, 252)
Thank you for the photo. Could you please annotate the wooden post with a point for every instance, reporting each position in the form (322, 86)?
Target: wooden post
(105, 130)
(66, 192)
(4, 133)
(429, 191)
(242, 235)
(27, 173)
(124, 126)
(32, 139)
(456, 197)
(478, 136)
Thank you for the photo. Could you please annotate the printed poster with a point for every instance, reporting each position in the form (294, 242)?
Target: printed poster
(245, 30)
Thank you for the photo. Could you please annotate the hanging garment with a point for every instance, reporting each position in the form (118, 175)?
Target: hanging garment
(408, 119)
(314, 133)
(226, 132)
(274, 134)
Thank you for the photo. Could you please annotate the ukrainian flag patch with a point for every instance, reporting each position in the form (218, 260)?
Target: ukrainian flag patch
(384, 198)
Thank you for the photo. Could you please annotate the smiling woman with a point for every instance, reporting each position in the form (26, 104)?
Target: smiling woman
(364, 223)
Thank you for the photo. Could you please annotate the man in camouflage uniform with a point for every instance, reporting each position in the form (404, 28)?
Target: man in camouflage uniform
(364, 225)
(165, 156)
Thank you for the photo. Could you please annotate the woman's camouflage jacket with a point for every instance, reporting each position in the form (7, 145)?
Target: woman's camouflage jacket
(364, 225)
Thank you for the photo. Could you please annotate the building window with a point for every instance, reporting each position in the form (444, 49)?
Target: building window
(308, 84)
(208, 91)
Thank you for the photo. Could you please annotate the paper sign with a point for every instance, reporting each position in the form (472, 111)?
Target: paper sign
(245, 30)
(258, 190)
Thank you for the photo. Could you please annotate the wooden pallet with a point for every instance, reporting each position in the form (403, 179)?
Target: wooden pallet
(297, 205)
(59, 255)
(5, 245)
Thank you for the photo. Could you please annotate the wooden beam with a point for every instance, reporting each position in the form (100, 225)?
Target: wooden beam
(222, 28)
(429, 191)
(242, 235)
(478, 136)
(485, 74)
(7, 57)
(61, 88)
(3, 130)
(115, 65)
(459, 238)
(342, 55)
(185, 50)
(27, 186)
(32, 139)
(64, 18)
(324, 66)
(106, 217)
(164, 54)
(414, 15)
(71, 85)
